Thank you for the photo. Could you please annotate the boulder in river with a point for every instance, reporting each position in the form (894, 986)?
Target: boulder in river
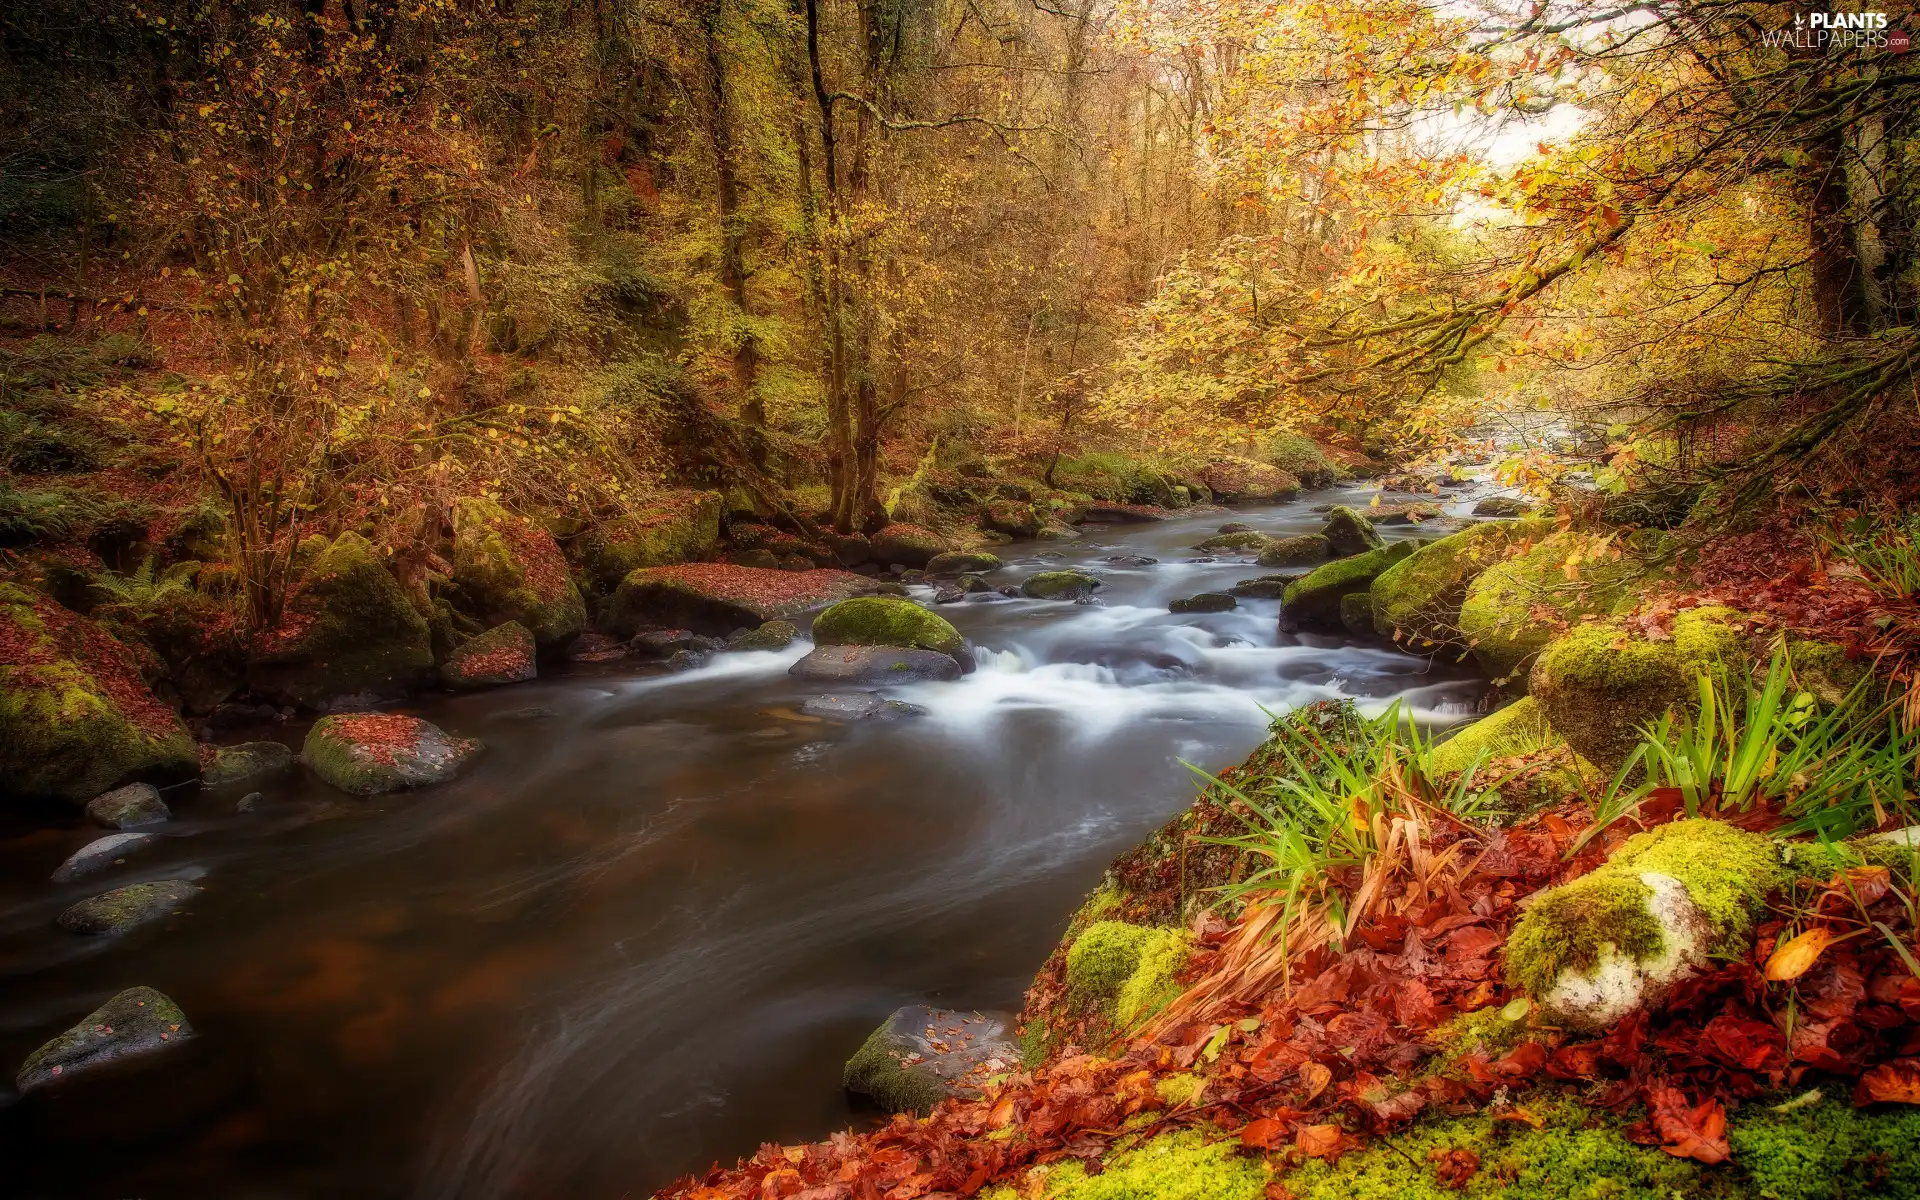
(231, 764)
(1263, 587)
(774, 635)
(123, 908)
(370, 753)
(131, 807)
(907, 544)
(1302, 550)
(511, 570)
(1519, 604)
(1205, 602)
(1402, 514)
(858, 706)
(348, 630)
(593, 647)
(922, 1056)
(1060, 585)
(1356, 614)
(501, 655)
(1502, 506)
(76, 717)
(1314, 602)
(1349, 533)
(1241, 541)
(718, 598)
(875, 665)
(962, 562)
(680, 526)
(1419, 597)
(136, 1024)
(887, 621)
(1235, 527)
(99, 854)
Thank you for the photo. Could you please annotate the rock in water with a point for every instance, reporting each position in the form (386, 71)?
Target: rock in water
(1304, 550)
(501, 655)
(1263, 587)
(348, 629)
(1240, 541)
(1349, 533)
(960, 562)
(921, 1056)
(1059, 585)
(906, 544)
(123, 908)
(137, 1023)
(858, 706)
(718, 598)
(774, 635)
(1314, 602)
(371, 753)
(231, 764)
(99, 854)
(513, 572)
(1501, 506)
(886, 621)
(1205, 602)
(131, 807)
(875, 665)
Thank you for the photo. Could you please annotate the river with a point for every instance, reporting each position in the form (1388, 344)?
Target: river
(645, 932)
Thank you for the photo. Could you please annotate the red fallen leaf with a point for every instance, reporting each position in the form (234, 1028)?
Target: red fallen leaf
(1864, 884)
(1835, 988)
(1580, 1061)
(1520, 1116)
(1265, 1134)
(1697, 1131)
(1404, 1106)
(1521, 1062)
(1453, 1168)
(1414, 1006)
(1745, 1043)
(1473, 941)
(1812, 1044)
(1322, 1141)
(1902, 989)
(1314, 1078)
(1896, 1082)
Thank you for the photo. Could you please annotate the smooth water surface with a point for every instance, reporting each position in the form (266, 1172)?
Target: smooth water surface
(647, 930)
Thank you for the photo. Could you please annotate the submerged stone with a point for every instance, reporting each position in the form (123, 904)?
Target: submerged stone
(371, 753)
(875, 665)
(858, 706)
(137, 1023)
(131, 807)
(922, 1056)
(126, 907)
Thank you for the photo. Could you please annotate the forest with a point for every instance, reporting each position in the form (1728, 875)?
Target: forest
(1294, 598)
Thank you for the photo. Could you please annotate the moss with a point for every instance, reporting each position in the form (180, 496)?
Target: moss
(1827, 1151)
(348, 628)
(1125, 972)
(1300, 456)
(1244, 541)
(1728, 873)
(910, 1089)
(1179, 1088)
(1824, 669)
(1294, 551)
(1419, 597)
(681, 527)
(1315, 600)
(1233, 478)
(1175, 1166)
(1821, 861)
(511, 570)
(1519, 728)
(231, 764)
(1350, 532)
(1600, 683)
(886, 621)
(1570, 1157)
(1059, 585)
(1490, 1031)
(1514, 608)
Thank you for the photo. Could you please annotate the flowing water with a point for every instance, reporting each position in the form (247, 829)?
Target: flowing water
(645, 932)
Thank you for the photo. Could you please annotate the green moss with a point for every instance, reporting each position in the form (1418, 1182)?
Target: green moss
(1350, 532)
(886, 621)
(1179, 1088)
(1175, 1166)
(1126, 972)
(1821, 861)
(1514, 608)
(1728, 872)
(1059, 585)
(682, 527)
(1301, 456)
(1827, 1151)
(1491, 1031)
(1294, 551)
(509, 569)
(1824, 669)
(1315, 600)
(1519, 728)
(348, 628)
(1419, 597)
(1600, 683)
(1246, 541)
(912, 1089)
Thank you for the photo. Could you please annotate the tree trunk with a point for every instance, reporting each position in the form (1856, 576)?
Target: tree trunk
(841, 474)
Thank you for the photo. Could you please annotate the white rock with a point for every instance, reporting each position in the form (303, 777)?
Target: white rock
(1619, 985)
(98, 855)
(1908, 837)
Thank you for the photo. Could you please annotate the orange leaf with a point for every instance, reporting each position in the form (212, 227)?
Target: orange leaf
(1891, 1083)
(1321, 1141)
(1315, 1077)
(1001, 1114)
(1264, 1134)
(1695, 1131)
(1796, 957)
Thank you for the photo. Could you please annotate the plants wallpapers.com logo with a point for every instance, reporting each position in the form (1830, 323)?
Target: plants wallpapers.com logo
(1840, 31)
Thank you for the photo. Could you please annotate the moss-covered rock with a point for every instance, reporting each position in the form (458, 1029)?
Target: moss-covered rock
(1348, 532)
(504, 654)
(131, 807)
(963, 562)
(348, 630)
(680, 526)
(76, 717)
(1600, 683)
(1301, 457)
(124, 908)
(886, 621)
(1235, 541)
(1314, 602)
(1502, 506)
(1205, 602)
(1059, 585)
(774, 635)
(1301, 551)
(1125, 972)
(1235, 480)
(135, 1024)
(1518, 605)
(1356, 614)
(876, 666)
(509, 569)
(1519, 728)
(719, 598)
(370, 753)
(920, 1056)
(1173, 1166)
(1620, 937)
(1417, 601)
(231, 764)
(1015, 518)
(907, 544)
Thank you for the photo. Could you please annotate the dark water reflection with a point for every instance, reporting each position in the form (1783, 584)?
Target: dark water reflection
(646, 931)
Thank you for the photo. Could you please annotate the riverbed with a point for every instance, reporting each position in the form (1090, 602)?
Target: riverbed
(645, 931)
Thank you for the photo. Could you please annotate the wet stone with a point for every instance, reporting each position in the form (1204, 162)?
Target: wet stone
(875, 665)
(858, 706)
(249, 802)
(137, 1023)
(1205, 602)
(232, 764)
(124, 908)
(98, 855)
(131, 807)
(921, 1056)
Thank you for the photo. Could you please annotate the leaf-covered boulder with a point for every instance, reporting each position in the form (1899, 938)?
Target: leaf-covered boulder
(370, 753)
(907, 545)
(1600, 683)
(675, 527)
(135, 1024)
(1232, 480)
(1515, 607)
(502, 655)
(963, 562)
(887, 621)
(1348, 532)
(348, 630)
(1621, 937)
(719, 598)
(1417, 600)
(76, 717)
(1314, 602)
(921, 1056)
(509, 569)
